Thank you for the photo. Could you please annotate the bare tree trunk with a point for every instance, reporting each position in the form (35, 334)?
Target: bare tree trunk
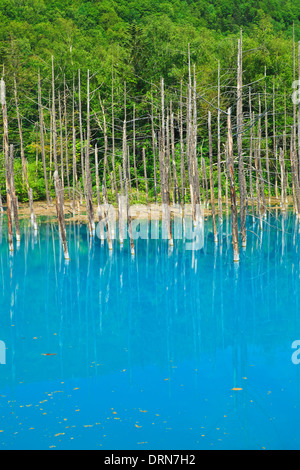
(298, 113)
(121, 235)
(175, 177)
(259, 162)
(182, 168)
(154, 150)
(274, 142)
(97, 177)
(240, 142)
(106, 167)
(1, 203)
(250, 157)
(212, 196)
(283, 179)
(220, 208)
(168, 181)
(234, 218)
(205, 181)
(66, 139)
(54, 130)
(106, 215)
(7, 167)
(113, 131)
(81, 134)
(14, 201)
(267, 147)
(258, 195)
(145, 175)
(89, 190)
(195, 165)
(61, 143)
(41, 118)
(74, 152)
(129, 173)
(24, 167)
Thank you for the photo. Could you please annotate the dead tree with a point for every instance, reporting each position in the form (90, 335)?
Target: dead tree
(89, 188)
(7, 166)
(145, 175)
(133, 154)
(220, 208)
(66, 139)
(129, 219)
(230, 166)
(182, 167)
(267, 147)
(239, 117)
(154, 145)
(23, 159)
(212, 196)
(41, 119)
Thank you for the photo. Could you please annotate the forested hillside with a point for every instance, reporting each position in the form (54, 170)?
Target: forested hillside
(132, 45)
(143, 38)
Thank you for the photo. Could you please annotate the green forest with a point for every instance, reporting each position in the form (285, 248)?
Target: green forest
(127, 47)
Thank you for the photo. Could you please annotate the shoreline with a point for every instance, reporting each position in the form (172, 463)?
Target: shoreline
(137, 210)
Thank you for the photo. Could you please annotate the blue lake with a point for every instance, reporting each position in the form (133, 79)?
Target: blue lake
(114, 352)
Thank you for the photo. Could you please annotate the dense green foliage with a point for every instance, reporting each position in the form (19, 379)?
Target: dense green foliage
(142, 41)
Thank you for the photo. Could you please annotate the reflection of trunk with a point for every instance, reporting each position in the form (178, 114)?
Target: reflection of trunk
(60, 213)
(106, 216)
(263, 197)
(13, 194)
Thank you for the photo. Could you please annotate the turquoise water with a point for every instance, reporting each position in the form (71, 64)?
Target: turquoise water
(110, 352)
